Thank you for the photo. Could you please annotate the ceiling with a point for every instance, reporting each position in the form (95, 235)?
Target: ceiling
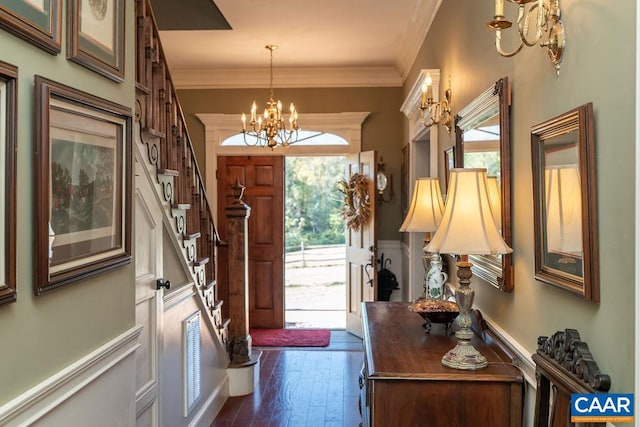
(321, 43)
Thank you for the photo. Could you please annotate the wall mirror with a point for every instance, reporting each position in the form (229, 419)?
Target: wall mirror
(482, 141)
(565, 210)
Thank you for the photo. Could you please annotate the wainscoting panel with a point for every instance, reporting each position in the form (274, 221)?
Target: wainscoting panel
(181, 405)
(97, 390)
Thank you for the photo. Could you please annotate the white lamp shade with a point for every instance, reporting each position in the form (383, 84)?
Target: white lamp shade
(425, 211)
(563, 205)
(468, 227)
(494, 200)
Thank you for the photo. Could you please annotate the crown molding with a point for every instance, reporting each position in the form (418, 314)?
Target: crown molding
(242, 78)
(424, 15)
(412, 101)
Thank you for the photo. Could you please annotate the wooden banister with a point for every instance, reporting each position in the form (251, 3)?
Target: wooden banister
(169, 149)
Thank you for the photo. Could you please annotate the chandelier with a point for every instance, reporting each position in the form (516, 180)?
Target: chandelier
(270, 128)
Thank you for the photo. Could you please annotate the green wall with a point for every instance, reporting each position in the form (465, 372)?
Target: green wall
(599, 66)
(42, 335)
(381, 131)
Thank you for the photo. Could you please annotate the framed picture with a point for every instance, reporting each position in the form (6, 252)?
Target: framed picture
(449, 163)
(36, 21)
(565, 209)
(95, 36)
(83, 185)
(8, 145)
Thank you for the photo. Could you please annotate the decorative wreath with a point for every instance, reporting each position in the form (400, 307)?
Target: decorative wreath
(356, 208)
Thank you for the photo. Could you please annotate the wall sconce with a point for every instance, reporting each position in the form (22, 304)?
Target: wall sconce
(382, 182)
(433, 112)
(547, 20)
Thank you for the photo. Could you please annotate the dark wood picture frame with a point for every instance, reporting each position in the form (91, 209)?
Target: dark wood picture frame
(82, 185)
(449, 163)
(40, 27)
(8, 145)
(95, 38)
(495, 102)
(563, 157)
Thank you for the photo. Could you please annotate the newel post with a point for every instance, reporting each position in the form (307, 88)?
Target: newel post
(238, 299)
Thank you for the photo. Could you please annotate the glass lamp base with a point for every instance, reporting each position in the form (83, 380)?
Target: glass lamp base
(464, 356)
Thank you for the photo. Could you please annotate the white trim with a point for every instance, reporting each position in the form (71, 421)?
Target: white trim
(179, 295)
(36, 403)
(423, 162)
(212, 405)
(348, 125)
(242, 78)
(425, 14)
(523, 356)
(219, 127)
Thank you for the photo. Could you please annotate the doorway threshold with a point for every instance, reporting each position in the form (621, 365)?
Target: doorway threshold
(315, 319)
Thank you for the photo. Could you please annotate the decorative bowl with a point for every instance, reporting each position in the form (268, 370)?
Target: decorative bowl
(435, 310)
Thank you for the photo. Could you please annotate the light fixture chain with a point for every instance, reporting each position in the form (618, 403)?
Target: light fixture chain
(270, 73)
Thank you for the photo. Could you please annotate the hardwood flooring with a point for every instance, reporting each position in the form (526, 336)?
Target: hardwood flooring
(300, 387)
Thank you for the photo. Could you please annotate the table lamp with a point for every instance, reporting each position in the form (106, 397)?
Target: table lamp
(424, 215)
(494, 200)
(467, 228)
(563, 206)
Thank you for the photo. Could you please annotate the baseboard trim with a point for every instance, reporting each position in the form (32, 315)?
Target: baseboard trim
(36, 402)
(212, 405)
(523, 356)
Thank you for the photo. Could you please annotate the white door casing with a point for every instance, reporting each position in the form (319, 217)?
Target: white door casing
(148, 261)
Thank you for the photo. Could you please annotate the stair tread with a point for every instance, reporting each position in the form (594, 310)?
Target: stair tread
(226, 322)
(210, 285)
(191, 236)
(153, 132)
(217, 304)
(168, 172)
(182, 206)
(200, 261)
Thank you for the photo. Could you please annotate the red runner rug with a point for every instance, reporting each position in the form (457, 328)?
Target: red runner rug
(290, 337)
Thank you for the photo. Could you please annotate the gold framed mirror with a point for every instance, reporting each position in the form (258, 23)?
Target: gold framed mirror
(565, 209)
(482, 141)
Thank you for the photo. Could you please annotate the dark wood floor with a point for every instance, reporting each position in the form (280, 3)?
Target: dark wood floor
(300, 387)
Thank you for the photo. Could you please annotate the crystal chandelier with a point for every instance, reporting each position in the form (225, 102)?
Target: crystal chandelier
(270, 129)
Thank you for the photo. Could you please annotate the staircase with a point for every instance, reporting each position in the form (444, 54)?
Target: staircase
(170, 155)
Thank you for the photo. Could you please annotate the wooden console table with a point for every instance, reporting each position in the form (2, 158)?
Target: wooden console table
(406, 385)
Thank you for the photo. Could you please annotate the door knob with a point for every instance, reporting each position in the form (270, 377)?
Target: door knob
(161, 283)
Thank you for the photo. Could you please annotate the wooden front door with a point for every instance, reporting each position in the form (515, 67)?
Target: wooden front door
(362, 282)
(263, 177)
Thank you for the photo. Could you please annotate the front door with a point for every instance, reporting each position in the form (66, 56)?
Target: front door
(361, 246)
(263, 177)
(148, 261)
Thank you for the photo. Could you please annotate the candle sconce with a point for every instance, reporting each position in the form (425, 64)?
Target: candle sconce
(435, 112)
(547, 21)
